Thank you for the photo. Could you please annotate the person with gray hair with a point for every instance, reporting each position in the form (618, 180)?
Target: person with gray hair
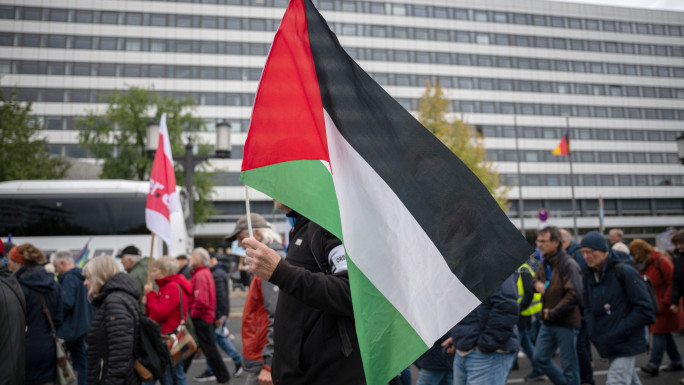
(136, 266)
(203, 311)
(615, 238)
(77, 311)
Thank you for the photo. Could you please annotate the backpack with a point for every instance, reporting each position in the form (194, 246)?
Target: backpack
(651, 290)
(153, 356)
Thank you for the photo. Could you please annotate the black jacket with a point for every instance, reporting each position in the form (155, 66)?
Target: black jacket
(220, 274)
(314, 313)
(12, 331)
(112, 337)
(617, 312)
(78, 312)
(492, 325)
(40, 344)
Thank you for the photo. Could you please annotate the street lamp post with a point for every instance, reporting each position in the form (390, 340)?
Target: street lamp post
(191, 160)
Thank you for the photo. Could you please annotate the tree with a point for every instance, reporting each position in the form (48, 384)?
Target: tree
(461, 139)
(117, 136)
(22, 154)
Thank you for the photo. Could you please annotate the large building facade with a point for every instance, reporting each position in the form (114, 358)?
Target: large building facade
(523, 73)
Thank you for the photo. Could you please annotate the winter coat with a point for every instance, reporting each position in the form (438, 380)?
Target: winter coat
(436, 359)
(677, 278)
(12, 330)
(112, 337)
(40, 344)
(314, 313)
(616, 312)
(573, 250)
(185, 271)
(139, 275)
(77, 310)
(220, 274)
(202, 303)
(659, 271)
(563, 296)
(492, 325)
(163, 306)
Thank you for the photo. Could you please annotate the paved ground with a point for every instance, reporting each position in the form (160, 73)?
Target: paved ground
(516, 377)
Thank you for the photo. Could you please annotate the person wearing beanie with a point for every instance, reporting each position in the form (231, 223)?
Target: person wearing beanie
(617, 307)
(26, 262)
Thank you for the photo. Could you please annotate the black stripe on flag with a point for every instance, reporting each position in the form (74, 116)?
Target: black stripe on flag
(477, 240)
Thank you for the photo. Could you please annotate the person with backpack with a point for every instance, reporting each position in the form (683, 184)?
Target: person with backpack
(112, 340)
(658, 269)
(164, 306)
(42, 297)
(617, 307)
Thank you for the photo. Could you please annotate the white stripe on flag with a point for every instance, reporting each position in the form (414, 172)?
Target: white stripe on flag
(158, 224)
(389, 246)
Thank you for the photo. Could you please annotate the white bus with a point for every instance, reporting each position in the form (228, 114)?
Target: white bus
(66, 214)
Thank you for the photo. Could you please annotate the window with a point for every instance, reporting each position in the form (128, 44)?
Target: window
(630, 69)
(30, 40)
(158, 20)
(133, 44)
(157, 45)
(541, 42)
(481, 16)
(482, 38)
(109, 17)
(132, 70)
(500, 17)
(558, 43)
(628, 48)
(561, 65)
(134, 19)
(81, 69)
(421, 34)
(58, 15)
(209, 22)
(57, 41)
(82, 42)
(378, 31)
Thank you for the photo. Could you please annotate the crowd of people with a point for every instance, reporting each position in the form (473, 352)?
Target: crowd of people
(298, 325)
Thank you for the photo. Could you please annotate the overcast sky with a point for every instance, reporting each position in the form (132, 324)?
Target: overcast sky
(655, 4)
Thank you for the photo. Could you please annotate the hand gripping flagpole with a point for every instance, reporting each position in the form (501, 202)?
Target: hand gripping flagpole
(249, 215)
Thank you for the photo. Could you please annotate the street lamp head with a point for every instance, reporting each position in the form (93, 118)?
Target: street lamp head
(223, 144)
(680, 147)
(152, 138)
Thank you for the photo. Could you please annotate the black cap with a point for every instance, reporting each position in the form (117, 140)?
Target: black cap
(129, 250)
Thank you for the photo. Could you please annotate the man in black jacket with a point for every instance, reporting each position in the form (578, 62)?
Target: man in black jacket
(314, 336)
(12, 330)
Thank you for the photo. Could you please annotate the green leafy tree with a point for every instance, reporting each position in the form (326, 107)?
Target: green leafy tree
(461, 139)
(118, 135)
(22, 154)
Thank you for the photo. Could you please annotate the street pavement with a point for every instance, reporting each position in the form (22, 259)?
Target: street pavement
(237, 299)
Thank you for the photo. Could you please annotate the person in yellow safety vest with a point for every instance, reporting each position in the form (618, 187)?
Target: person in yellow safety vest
(530, 305)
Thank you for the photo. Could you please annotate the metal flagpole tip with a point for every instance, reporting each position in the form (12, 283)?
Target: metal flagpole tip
(249, 214)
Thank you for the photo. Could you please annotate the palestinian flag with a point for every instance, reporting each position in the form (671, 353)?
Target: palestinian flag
(425, 241)
(563, 148)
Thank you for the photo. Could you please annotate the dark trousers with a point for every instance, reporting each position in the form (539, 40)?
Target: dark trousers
(79, 361)
(584, 356)
(205, 337)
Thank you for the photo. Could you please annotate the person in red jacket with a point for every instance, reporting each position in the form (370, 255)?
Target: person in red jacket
(659, 269)
(164, 306)
(202, 311)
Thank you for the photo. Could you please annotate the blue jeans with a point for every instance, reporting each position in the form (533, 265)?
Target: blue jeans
(482, 368)
(435, 377)
(663, 342)
(79, 360)
(552, 337)
(527, 346)
(584, 356)
(623, 372)
(179, 373)
(227, 346)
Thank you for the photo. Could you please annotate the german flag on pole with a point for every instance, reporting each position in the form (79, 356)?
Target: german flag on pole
(426, 242)
(563, 148)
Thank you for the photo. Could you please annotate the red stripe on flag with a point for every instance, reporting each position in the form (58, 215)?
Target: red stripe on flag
(287, 121)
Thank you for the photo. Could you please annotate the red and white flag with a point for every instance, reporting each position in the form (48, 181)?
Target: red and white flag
(162, 198)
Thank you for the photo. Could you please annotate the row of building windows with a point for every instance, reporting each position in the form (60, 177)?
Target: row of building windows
(59, 95)
(487, 107)
(52, 122)
(128, 70)
(111, 43)
(498, 155)
(590, 207)
(482, 15)
(76, 151)
(383, 31)
(345, 29)
(591, 180)
(385, 79)
(532, 132)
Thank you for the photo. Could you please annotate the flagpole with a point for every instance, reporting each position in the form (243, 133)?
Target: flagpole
(572, 182)
(149, 264)
(249, 214)
(521, 203)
